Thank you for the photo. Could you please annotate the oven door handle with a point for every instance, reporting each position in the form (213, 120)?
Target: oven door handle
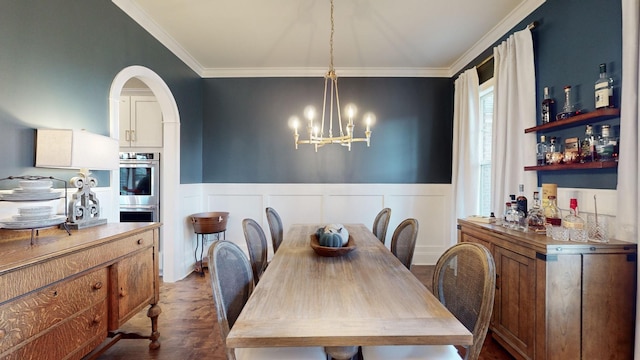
(137, 163)
(138, 207)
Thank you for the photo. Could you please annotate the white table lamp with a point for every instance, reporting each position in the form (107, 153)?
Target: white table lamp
(78, 149)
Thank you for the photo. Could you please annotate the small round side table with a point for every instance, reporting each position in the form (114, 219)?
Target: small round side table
(204, 224)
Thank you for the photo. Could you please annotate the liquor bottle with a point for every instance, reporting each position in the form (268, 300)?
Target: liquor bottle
(568, 110)
(521, 201)
(604, 89)
(535, 216)
(574, 223)
(516, 217)
(547, 108)
(607, 145)
(552, 213)
(506, 219)
(541, 151)
(554, 153)
(588, 146)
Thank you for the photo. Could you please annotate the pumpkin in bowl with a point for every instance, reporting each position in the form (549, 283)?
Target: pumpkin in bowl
(333, 235)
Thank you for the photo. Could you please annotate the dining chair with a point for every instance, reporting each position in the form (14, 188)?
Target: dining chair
(257, 246)
(275, 227)
(403, 241)
(464, 281)
(381, 223)
(232, 283)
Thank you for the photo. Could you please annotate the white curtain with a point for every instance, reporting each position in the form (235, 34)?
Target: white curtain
(465, 171)
(627, 214)
(514, 111)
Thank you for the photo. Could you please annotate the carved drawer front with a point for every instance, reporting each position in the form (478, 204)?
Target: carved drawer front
(27, 316)
(83, 331)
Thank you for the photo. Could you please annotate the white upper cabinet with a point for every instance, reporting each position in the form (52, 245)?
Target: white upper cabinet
(140, 121)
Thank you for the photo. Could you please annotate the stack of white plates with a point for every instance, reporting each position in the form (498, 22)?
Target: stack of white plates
(33, 217)
(32, 190)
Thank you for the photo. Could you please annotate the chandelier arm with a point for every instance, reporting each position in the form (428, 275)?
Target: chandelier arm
(335, 82)
(324, 106)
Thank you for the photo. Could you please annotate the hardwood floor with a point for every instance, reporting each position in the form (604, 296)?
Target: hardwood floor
(189, 329)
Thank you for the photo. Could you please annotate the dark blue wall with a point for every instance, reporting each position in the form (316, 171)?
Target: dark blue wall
(247, 138)
(572, 38)
(58, 59)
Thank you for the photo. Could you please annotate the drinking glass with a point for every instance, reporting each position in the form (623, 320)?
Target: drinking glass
(597, 231)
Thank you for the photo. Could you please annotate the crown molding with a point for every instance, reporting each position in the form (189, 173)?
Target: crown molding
(319, 72)
(516, 16)
(511, 20)
(143, 19)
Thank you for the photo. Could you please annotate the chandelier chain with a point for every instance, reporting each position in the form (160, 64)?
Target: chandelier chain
(331, 41)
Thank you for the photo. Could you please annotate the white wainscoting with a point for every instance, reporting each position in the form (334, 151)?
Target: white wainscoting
(321, 204)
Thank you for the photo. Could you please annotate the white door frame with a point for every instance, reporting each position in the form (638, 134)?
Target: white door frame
(169, 161)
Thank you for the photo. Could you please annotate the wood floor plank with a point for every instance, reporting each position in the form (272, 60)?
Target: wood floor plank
(189, 329)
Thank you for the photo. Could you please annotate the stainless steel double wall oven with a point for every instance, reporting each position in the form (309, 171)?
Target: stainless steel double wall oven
(139, 187)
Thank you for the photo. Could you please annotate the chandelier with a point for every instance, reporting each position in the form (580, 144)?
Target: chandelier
(316, 136)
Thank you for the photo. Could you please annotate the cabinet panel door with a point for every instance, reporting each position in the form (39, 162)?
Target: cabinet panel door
(559, 310)
(146, 118)
(135, 276)
(608, 298)
(514, 318)
(125, 121)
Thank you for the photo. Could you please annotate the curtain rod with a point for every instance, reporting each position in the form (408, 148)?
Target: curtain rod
(532, 25)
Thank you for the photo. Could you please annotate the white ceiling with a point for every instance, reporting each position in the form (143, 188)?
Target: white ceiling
(237, 38)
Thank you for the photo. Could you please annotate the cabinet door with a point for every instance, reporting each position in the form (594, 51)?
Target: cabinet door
(135, 286)
(514, 310)
(125, 121)
(146, 122)
(608, 305)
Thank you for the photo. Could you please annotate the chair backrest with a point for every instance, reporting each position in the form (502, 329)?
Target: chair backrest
(381, 223)
(464, 281)
(232, 283)
(257, 246)
(275, 227)
(403, 241)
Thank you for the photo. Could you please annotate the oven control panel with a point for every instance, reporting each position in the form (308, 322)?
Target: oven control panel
(139, 156)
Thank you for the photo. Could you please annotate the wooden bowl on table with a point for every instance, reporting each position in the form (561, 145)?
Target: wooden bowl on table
(331, 251)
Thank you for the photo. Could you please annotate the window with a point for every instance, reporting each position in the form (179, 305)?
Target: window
(486, 124)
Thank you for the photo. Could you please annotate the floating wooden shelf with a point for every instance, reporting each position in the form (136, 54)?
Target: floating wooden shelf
(576, 166)
(597, 115)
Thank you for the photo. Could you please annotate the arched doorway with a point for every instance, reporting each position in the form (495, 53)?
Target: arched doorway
(169, 162)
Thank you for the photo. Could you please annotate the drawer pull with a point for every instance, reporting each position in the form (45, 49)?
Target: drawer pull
(55, 293)
(140, 241)
(97, 319)
(2, 334)
(97, 286)
(123, 293)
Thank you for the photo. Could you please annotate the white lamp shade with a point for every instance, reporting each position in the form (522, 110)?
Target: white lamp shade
(75, 149)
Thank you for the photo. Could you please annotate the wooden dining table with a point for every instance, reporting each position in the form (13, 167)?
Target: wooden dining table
(366, 297)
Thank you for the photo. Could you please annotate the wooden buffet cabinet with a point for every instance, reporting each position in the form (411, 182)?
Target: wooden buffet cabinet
(62, 297)
(559, 300)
